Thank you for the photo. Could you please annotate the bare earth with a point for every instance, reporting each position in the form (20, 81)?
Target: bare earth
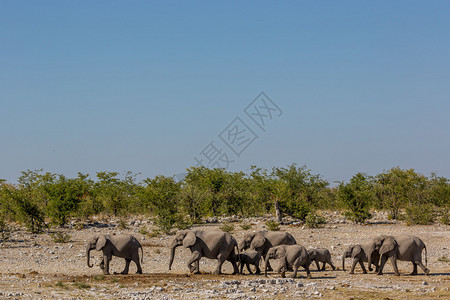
(34, 267)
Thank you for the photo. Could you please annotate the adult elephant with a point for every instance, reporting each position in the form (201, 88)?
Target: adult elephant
(404, 247)
(124, 245)
(210, 244)
(262, 241)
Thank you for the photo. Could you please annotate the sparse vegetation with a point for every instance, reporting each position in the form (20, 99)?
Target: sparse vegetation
(81, 285)
(273, 225)
(60, 237)
(314, 220)
(227, 227)
(61, 285)
(246, 226)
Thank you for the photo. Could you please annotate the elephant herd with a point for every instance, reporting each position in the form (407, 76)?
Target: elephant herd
(266, 245)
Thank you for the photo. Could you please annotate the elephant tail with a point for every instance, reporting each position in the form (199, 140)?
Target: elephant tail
(142, 254)
(426, 258)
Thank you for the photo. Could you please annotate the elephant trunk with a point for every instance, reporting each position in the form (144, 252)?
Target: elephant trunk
(265, 265)
(369, 260)
(343, 261)
(172, 255)
(88, 251)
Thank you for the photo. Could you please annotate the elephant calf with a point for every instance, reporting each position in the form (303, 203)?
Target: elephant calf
(290, 256)
(321, 255)
(359, 255)
(123, 245)
(249, 257)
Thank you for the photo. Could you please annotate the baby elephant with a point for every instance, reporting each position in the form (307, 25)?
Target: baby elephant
(321, 255)
(290, 256)
(249, 257)
(359, 255)
(123, 245)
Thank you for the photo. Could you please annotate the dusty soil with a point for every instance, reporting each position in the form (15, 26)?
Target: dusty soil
(35, 267)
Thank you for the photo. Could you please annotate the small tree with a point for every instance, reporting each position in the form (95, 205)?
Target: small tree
(64, 197)
(357, 197)
(161, 194)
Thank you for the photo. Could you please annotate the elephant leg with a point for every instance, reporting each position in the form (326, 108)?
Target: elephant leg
(258, 271)
(355, 261)
(294, 274)
(220, 260)
(425, 269)
(317, 264)
(414, 272)
(323, 266)
(308, 273)
(127, 266)
(138, 265)
(106, 265)
(331, 264)
(196, 255)
(102, 264)
(282, 268)
(394, 265)
(377, 267)
(383, 262)
(248, 268)
(269, 267)
(241, 267)
(362, 267)
(232, 260)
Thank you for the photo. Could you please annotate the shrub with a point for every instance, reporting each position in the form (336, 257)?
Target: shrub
(60, 237)
(314, 220)
(82, 285)
(246, 226)
(5, 231)
(445, 216)
(227, 227)
(419, 214)
(273, 226)
(357, 196)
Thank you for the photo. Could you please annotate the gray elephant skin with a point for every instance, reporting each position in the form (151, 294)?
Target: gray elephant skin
(359, 255)
(247, 258)
(290, 256)
(262, 241)
(321, 255)
(210, 244)
(124, 245)
(404, 247)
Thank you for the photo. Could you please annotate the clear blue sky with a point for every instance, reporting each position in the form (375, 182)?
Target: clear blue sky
(145, 86)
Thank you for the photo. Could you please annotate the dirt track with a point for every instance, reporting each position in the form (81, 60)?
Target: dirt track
(33, 266)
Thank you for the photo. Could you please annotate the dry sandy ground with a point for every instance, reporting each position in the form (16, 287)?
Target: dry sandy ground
(34, 267)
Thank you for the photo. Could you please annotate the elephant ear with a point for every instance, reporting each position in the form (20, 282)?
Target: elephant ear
(189, 239)
(389, 244)
(101, 242)
(280, 252)
(258, 241)
(356, 250)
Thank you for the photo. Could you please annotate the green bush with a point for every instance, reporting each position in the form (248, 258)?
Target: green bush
(5, 230)
(314, 220)
(357, 197)
(273, 225)
(227, 227)
(419, 214)
(246, 226)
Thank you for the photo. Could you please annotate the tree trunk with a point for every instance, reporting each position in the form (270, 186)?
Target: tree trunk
(277, 212)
